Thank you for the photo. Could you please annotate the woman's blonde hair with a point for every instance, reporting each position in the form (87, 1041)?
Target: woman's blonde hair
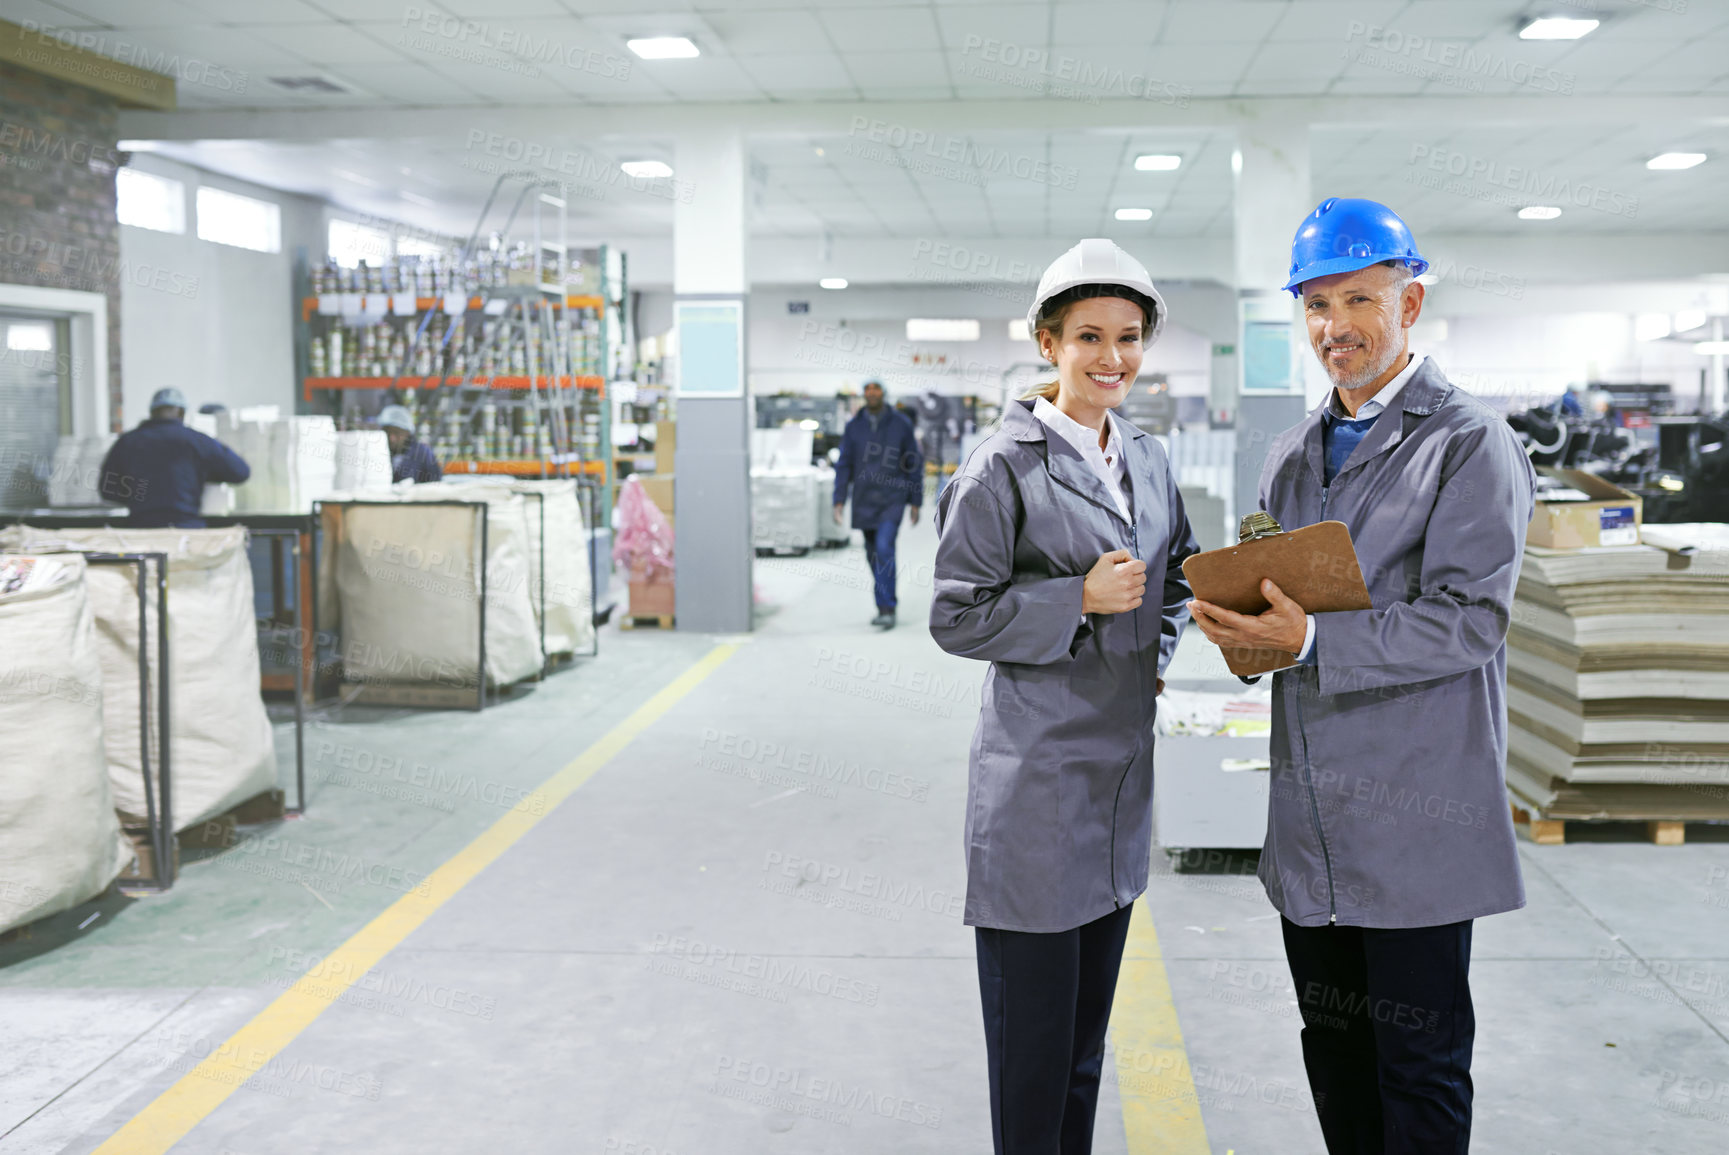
(1055, 311)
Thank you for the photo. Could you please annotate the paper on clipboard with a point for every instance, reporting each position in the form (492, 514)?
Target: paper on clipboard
(1315, 566)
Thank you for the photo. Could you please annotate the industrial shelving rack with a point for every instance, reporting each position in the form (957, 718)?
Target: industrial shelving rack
(536, 346)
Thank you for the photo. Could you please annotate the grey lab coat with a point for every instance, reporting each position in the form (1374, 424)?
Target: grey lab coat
(1059, 795)
(1388, 802)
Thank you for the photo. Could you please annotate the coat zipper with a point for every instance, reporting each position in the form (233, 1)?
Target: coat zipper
(1309, 779)
(1141, 683)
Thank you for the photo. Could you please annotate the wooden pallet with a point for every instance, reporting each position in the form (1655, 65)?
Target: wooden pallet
(640, 621)
(409, 694)
(1553, 831)
(143, 868)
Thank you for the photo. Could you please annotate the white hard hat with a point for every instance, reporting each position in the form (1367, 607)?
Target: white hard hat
(1097, 261)
(396, 415)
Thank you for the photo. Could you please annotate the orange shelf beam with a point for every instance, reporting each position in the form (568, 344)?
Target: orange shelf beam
(524, 467)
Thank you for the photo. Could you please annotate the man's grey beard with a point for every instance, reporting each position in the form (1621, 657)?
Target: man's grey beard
(1369, 372)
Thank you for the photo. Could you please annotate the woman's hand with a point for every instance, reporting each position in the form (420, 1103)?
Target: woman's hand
(1115, 584)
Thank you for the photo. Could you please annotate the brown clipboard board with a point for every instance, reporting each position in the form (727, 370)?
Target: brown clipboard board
(1316, 566)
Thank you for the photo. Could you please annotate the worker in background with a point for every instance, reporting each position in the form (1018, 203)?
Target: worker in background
(1388, 831)
(880, 464)
(411, 459)
(158, 471)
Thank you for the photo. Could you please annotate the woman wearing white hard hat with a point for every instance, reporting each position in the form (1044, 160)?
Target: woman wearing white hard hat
(1053, 535)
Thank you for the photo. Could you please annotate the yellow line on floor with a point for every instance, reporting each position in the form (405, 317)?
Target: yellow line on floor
(201, 1090)
(1161, 1113)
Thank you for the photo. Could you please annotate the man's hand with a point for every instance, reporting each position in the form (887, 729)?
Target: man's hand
(839, 511)
(913, 513)
(1283, 626)
(1115, 584)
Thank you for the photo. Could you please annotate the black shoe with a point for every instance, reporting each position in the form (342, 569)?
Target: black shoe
(885, 620)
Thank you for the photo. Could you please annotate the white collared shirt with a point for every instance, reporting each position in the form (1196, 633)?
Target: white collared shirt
(1107, 463)
(1373, 407)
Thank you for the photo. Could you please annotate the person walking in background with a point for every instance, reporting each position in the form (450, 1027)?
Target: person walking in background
(880, 464)
(158, 471)
(1059, 561)
(1388, 830)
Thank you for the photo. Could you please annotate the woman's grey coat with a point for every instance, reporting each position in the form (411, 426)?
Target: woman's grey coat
(1388, 805)
(1059, 798)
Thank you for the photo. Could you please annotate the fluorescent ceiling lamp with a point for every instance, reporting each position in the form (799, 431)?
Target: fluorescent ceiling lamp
(833, 282)
(1134, 214)
(549, 199)
(147, 201)
(1711, 348)
(1557, 28)
(1651, 326)
(415, 198)
(1157, 162)
(646, 169)
(1018, 330)
(349, 243)
(933, 329)
(1539, 213)
(1689, 319)
(671, 47)
(32, 337)
(811, 424)
(1675, 160)
(135, 145)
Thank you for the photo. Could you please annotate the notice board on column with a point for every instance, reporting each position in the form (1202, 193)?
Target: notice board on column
(710, 348)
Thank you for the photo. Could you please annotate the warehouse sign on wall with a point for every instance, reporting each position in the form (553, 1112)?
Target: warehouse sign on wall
(710, 348)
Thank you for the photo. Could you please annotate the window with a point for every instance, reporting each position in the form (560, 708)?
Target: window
(244, 222)
(929, 329)
(352, 243)
(148, 201)
(418, 247)
(30, 336)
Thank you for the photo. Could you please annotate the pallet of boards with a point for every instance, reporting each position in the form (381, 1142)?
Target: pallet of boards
(1618, 683)
(407, 580)
(60, 841)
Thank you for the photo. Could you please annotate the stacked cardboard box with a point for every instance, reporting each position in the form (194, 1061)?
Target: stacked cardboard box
(1618, 683)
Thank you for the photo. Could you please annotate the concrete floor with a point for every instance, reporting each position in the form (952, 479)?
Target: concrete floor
(621, 979)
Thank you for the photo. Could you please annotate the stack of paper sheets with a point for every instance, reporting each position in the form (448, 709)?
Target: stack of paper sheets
(1618, 679)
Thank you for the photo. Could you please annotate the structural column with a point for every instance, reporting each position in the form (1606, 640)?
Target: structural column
(1272, 196)
(711, 465)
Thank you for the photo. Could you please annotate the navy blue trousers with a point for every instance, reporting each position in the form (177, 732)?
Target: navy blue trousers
(1047, 1000)
(880, 553)
(1387, 1033)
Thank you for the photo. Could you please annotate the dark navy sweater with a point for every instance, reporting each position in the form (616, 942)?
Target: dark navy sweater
(159, 470)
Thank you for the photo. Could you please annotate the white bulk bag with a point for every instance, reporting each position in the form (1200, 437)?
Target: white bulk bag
(408, 580)
(77, 470)
(783, 507)
(60, 842)
(221, 750)
(569, 599)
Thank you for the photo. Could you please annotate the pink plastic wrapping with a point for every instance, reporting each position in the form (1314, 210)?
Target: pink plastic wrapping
(642, 539)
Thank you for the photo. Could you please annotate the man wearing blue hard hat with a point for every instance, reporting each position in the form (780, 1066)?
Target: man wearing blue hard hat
(1388, 828)
(158, 471)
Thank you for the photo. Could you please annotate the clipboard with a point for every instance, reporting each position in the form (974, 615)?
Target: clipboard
(1316, 566)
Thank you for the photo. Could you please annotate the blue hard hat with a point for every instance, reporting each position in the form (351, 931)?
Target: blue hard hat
(1345, 234)
(169, 398)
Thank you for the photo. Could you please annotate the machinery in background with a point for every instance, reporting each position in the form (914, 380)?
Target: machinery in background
(1678, 464)
(824, 417)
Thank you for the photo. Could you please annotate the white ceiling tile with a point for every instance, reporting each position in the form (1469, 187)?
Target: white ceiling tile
(1331, 22)
(129, 13)
(1221, 21)
(909, 68)
(801, 72)
(880, 28)
(769, 33)
(981, 30)
(1089, 21)
(341, 44)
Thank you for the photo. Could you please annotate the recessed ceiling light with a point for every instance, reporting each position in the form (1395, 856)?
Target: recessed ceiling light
(1157, 162)
(673, 47)
(646, 169)
(833, 282)
(1134, 214)
(1651, 326)
(549, 199)
(1689, 319)
(1711, 348)
(1675, 160)
(1557, 28)
(1539, 213)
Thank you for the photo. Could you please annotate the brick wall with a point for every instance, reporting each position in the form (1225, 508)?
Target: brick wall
(58, 227)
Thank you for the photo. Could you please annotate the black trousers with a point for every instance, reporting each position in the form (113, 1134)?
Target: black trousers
(1047, 1000)
(1387, 1033)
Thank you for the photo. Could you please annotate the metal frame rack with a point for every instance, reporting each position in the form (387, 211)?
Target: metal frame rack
(159, 815)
